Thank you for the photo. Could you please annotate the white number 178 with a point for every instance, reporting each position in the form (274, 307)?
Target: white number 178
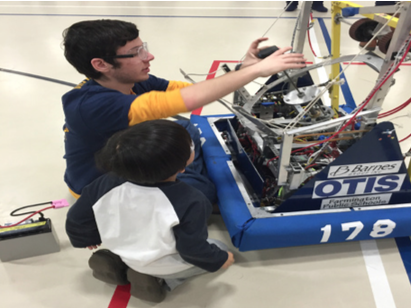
(381, 228)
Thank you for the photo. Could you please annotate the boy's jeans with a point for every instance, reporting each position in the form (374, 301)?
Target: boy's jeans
(174, 280)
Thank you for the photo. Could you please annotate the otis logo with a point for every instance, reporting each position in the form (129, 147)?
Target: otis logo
(358, 186)
(364, 169)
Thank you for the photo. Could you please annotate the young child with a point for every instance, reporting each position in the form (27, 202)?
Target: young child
(142, 213)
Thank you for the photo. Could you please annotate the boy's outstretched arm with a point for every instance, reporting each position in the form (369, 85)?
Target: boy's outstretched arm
(208, 91)
(251, 56)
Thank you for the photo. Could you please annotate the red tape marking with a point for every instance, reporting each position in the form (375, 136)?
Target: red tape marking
(212, 73)
(120, 297)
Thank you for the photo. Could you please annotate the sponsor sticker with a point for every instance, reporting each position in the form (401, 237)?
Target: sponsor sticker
(358, 186)
(357, 201)
(347, 171)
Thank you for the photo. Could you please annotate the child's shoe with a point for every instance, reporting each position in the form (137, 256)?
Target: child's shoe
(108, 267)
(146, 287)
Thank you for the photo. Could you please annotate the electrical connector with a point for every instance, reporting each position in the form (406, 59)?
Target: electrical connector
(56, 204)
(59, 203)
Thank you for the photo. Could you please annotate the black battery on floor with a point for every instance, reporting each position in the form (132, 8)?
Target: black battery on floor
(28, 240)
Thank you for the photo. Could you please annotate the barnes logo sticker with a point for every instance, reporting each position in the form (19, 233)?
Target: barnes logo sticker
(347, 171)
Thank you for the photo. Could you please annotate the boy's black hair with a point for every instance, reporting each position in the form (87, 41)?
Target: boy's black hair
(146, 153)
(90, 39)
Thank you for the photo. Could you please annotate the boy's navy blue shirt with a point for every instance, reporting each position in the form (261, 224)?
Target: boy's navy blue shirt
(93, 113)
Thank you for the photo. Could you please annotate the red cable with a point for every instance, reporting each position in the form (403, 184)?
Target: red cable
(314, 164)
(46, 208)
(382, 115)
(270, 160)
(395, 110)
(362, 105)
(405, 138)
(358, 111)
(308, 36)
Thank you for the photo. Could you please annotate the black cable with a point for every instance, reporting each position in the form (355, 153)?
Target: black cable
(27, 206)
(39, 77)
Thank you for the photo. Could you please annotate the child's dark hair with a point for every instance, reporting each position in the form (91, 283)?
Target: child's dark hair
(90, 39)
(146, 153)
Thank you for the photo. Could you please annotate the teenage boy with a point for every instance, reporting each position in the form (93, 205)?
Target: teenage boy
(119, 92)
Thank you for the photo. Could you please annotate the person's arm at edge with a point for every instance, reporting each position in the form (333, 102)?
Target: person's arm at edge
(211, 90)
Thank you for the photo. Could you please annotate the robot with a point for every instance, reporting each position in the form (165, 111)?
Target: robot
(291, 170)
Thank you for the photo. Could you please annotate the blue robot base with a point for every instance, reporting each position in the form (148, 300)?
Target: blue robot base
(312, 215)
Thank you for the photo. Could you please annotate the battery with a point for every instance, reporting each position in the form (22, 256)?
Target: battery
(28, 240)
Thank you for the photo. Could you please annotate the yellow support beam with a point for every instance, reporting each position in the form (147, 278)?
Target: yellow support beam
(335, 53)
(336, 9)
(377, 17)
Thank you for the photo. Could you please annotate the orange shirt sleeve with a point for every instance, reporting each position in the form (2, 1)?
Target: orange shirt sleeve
(157, 104)
(172, 85)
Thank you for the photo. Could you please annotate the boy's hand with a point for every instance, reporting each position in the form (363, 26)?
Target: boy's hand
(251, 56)
(93, 247)
(230, 260)
(280, 61)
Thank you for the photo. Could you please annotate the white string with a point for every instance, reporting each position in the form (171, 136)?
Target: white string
(241, 59)
(335, 80)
